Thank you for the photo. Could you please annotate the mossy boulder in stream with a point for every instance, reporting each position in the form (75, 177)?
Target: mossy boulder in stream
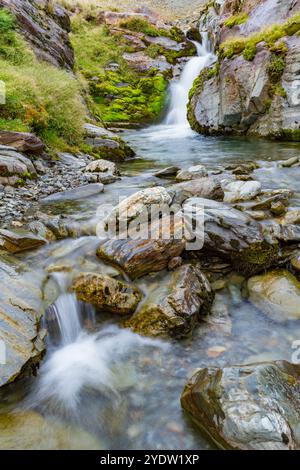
(249, 407)
(175, 304)
(106, 293)
(233, 235)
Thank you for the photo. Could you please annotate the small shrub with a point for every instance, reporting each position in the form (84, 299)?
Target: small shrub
(276, 68)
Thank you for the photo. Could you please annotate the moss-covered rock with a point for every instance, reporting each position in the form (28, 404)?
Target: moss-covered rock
(175, 304)
(106, 293)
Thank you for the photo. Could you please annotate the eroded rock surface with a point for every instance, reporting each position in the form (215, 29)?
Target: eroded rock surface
(249, 407)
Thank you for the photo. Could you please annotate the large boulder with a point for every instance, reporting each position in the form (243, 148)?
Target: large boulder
(277, 294)
(175, 304)
(233, 235)
(192, 173)
(143, 203)
(240, 190)
(22, 142)
(209, 188)
(254, 89)
(21, 308)
(45, 25)
(106, 293)
(249, 407)
(145, 254)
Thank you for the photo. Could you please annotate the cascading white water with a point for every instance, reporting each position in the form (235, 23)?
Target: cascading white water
(179, 90)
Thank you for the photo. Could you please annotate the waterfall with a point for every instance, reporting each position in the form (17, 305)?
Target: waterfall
(177, 115)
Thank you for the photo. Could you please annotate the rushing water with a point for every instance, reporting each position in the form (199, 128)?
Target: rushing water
(103, 387)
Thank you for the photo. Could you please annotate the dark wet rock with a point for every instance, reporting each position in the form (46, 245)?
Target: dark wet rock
(233, 235)
(209, 188)
(175, 305)
(144, 255)
(106, 293)
(21, 309)
(16, 242)
(46, 28)
(22, 142)
(277, 294)
(166, 172)
(81, 192)
(174, 263)
(249, 407)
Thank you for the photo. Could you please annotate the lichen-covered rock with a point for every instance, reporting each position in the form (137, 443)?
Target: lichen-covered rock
(175, 304)
(277, 294)
(46, 26)
(106, 293)
(233, 235)
(249, 407)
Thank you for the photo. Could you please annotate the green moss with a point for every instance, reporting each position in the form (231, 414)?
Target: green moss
(235, 20)
(269, 35)
(289, 134)
(256, 258)
(276, 68)
(120, 94)
(140, 25)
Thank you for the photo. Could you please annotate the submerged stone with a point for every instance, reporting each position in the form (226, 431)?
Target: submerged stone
(277, 294)
(249, 407)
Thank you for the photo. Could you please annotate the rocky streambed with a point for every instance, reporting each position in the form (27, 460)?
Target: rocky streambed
(125, 324)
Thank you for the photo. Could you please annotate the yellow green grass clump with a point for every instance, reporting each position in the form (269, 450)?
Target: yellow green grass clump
(270, 35)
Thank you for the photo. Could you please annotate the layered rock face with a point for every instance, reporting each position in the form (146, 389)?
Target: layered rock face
(238, 406)
(46, 26)
(254, 86)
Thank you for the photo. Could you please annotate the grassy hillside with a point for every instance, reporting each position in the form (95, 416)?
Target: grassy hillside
(39, 97)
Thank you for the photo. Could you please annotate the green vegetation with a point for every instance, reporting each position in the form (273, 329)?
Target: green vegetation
(119, 93)
(39, 97)
(235, 20)
(141, 25)
(269, 35)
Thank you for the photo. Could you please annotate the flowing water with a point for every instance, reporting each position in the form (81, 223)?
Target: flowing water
(103, 387)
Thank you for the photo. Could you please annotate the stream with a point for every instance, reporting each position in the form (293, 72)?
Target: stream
(103, 387)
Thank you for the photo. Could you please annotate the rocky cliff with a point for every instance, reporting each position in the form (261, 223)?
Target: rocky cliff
(254, 87)
(45, 25)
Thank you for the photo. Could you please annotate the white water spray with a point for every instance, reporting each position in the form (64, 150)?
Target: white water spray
(180, 89)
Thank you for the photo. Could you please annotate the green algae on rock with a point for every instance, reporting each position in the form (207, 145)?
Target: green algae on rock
(106, 293)
(175, 305)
